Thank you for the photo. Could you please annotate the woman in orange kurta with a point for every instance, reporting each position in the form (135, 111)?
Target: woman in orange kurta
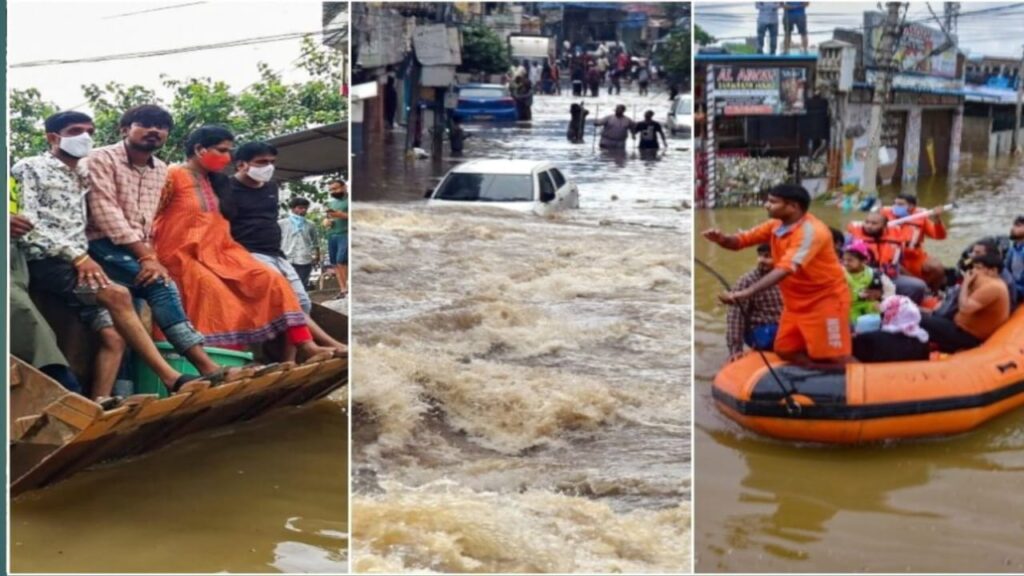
(231, 298)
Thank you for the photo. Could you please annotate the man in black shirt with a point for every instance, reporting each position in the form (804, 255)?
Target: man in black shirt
(649, 129)
(253, 207)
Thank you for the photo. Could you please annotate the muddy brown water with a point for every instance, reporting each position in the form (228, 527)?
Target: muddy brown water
(521, 385)
(263, 496)
(936, 505)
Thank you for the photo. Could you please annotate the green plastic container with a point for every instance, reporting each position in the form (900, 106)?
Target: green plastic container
(146, 381)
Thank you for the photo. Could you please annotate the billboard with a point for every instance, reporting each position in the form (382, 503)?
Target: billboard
(759, 91)
(913, 52)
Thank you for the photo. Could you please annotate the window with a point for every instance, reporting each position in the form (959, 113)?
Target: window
(484, 93)
(559, 179)
(487, 188)
(547, 188)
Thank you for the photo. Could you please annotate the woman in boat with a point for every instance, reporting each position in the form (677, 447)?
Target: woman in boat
(233, 299)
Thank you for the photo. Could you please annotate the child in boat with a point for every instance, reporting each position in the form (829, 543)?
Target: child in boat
(866, 287)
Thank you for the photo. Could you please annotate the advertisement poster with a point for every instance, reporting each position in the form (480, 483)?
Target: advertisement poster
(914, 51)
(793, 89)
(759, 91)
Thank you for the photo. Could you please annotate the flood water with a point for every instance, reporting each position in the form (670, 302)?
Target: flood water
(521, 385)
(264, 496)
(937, 505)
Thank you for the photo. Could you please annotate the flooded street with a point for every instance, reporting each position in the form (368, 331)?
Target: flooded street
(263, 496)
(521, 385)
(937, 505)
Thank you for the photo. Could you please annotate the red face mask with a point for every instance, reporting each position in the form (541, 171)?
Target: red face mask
(214, 161)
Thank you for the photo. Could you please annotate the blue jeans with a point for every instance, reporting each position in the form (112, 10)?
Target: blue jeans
(770, 30)
(337, 249)
(761, 337)
(163, 298)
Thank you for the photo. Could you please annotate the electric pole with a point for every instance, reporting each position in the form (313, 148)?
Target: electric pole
(883, 81)
(1015, 146)
(952, 10)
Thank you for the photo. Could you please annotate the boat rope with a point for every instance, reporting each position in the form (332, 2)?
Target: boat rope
(792, 406)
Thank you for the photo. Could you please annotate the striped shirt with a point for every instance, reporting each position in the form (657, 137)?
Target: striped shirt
(804, 248)
(125, 197)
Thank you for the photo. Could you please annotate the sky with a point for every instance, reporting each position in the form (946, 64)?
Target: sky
(992, 33)
(44, 30)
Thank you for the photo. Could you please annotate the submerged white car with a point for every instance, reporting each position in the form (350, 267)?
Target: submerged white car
(525, 185)
(680, 116)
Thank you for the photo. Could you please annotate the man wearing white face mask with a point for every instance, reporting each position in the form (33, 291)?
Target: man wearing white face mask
(53, 189)
(253, 209)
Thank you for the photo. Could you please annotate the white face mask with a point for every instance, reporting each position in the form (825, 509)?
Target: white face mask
(77, 146)
(261, 173)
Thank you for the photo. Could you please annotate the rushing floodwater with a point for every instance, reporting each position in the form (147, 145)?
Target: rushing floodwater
(938, 505)
(264, 496)
(521, 385)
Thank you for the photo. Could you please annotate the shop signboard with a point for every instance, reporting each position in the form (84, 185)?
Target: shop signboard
(914, 53)
(759, 91)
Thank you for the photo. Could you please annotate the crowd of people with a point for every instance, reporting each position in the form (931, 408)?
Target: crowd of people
(207, 251)
(588, 72)
(819, 296)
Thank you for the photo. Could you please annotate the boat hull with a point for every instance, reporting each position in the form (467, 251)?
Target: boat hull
(875, 402)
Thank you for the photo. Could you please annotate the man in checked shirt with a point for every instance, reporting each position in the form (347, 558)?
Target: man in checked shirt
(127, 180)
(755, 321)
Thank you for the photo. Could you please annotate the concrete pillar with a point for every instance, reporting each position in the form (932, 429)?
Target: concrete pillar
(954, 141)
(912, 145)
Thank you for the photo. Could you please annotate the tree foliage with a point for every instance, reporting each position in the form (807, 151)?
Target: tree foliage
(483, 51)
(702, 37)
(268, 107)
(675, 58)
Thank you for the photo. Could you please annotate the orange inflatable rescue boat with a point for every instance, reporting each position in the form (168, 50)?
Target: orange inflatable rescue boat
(872, 402)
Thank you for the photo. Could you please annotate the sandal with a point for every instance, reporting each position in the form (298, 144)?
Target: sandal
(109, 402)
(181, 381)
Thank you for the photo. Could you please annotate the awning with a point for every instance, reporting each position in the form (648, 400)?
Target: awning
(312, 152)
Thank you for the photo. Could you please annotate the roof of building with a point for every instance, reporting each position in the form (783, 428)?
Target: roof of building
(764, 58)
(989, 94)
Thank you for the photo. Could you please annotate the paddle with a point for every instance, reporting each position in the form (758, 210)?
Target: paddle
(922, 214)
(787, 395)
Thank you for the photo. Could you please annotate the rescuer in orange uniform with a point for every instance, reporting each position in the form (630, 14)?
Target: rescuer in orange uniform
(815, 323)
(887, 248)
(915, 231)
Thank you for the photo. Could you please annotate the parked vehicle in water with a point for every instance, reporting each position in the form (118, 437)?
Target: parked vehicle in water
(525, 185)
(485, 103)
(680, 116)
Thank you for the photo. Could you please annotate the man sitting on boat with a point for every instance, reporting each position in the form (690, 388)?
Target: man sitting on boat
(915, 231)
(1014, 263)
(126, 181)
(983, 306)
(35, 343)
(951, 303)
(814, 327)
(52, 193)
(756, 321)
(887, 249)
(252, 206)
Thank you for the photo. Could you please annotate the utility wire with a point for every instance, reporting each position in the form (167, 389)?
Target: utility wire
(920, 20)
(172, 51)
(162, 8)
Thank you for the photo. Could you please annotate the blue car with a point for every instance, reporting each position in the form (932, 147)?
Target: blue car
(485, 103)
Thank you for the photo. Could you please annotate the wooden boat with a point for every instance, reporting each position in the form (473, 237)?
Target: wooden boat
(55, 433)
(874, 402)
